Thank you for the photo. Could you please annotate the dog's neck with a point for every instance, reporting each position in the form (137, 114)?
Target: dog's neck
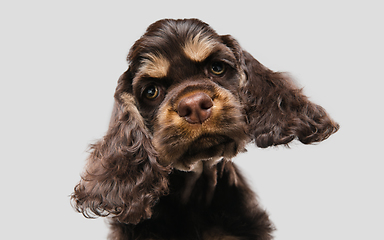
(207, 168)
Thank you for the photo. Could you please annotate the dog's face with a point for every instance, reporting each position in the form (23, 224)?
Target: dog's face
(186, 84)
(202, 97)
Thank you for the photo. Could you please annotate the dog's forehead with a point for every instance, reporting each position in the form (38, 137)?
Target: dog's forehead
(168, 44)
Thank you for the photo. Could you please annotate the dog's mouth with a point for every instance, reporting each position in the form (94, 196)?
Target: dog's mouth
(207, 141)
(206, 148)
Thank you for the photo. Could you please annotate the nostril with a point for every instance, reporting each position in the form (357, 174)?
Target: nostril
(206, 103)
(195, 108)
(184, 109)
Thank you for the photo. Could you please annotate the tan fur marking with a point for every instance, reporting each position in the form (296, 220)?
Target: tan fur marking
(243, 79)
(199, 48)
(154, 65)
(130, 107)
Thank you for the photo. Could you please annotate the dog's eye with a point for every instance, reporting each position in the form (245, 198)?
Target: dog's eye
(217, 68)
(151, 92)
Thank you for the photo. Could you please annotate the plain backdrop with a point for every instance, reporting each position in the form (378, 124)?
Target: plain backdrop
(60, 61)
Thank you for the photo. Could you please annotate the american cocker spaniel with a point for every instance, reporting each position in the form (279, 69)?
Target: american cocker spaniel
(189, 102)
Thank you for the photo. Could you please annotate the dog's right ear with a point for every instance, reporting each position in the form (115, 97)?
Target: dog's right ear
(122, 177)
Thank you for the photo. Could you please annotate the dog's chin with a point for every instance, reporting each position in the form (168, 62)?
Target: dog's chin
(210, 149)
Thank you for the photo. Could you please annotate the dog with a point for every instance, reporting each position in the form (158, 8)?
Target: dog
(190, 101)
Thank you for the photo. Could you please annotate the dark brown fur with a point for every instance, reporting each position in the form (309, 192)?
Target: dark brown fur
(157, 175)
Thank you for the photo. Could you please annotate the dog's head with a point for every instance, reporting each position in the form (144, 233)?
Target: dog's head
(189, 95)
(185, 81)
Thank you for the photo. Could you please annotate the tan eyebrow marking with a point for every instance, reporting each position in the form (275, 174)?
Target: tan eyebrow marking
(154, 65)
(198, 48)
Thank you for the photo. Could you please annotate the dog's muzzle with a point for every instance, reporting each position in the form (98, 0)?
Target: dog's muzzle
(198, 121)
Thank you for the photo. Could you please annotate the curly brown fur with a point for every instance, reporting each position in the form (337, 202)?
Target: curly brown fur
(278, 110)
(188, 103)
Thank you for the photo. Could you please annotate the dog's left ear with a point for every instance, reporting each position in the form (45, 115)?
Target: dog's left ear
(277, 110)
(123, 178)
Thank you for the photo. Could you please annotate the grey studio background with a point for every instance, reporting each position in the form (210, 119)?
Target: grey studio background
(60, 61)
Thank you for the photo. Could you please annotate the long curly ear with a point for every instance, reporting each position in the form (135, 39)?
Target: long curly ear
(122, 177)
(277, 110)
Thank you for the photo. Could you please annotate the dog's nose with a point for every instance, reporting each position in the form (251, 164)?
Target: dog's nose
(195, 108)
